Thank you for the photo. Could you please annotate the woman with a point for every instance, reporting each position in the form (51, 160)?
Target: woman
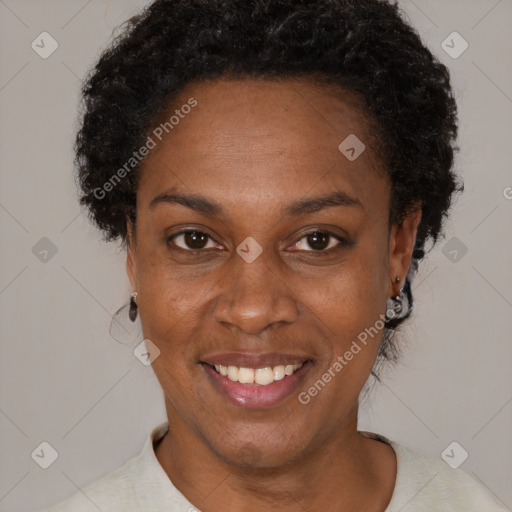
(274, 169)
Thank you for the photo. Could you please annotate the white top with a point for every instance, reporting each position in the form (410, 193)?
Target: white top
(424, 483)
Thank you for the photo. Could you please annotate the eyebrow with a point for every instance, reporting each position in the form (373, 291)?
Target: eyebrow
(195, 202)
(207, 207)
(315, 204)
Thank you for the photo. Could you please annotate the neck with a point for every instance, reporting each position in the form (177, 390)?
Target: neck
(349, 472)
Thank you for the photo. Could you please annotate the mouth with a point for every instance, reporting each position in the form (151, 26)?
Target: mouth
(256, 383)
(260, 376)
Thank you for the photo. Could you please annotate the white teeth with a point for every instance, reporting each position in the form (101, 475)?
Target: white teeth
(245, 375)
(264, 376)
(279, 372)
(233, 373)
(261, 376)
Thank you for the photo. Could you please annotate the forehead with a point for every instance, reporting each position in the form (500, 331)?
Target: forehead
(247, 137)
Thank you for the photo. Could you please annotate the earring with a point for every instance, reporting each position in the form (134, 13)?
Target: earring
(398, 306)
(132, 313)
(395, 306)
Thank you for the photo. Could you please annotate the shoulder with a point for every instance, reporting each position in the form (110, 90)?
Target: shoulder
(112, 492)
(140, 484)
(425, 483)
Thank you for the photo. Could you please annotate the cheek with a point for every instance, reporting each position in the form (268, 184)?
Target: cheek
(169, 319)
(352, 297)
(168, 310)
(165, 293)
(350, 305)
(350, 308)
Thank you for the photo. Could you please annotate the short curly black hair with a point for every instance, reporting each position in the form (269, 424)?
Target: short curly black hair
(362, 46)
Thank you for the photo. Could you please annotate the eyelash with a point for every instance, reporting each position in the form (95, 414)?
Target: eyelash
(342, 241)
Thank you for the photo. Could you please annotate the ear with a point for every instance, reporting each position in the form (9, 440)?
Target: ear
(401, 246)
(131, 267)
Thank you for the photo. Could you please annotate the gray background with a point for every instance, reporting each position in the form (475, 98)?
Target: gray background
(64, 380)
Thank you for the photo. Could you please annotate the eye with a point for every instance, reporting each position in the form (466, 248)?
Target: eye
(191, 240)
(319, 241)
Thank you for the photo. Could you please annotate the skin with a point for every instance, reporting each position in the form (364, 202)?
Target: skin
(254, 147)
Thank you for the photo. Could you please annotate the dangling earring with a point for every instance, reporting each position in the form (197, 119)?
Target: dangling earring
(395, 308)
(398, 306)
(133, 307)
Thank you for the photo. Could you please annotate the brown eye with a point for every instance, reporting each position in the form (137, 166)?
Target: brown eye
(319, 241)
(191, 240)
(195, 239)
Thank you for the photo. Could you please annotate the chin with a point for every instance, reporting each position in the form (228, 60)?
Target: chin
(258, 450)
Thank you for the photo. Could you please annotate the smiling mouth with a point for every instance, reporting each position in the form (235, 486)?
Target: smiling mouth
(259, 376)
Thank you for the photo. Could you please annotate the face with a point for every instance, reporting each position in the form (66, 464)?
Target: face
(259, 244)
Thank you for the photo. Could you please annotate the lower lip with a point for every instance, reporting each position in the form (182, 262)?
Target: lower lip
(254, 395)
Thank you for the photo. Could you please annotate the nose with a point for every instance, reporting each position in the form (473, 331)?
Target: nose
(254, 297)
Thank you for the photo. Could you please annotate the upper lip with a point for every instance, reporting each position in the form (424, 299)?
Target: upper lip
(248, 360)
